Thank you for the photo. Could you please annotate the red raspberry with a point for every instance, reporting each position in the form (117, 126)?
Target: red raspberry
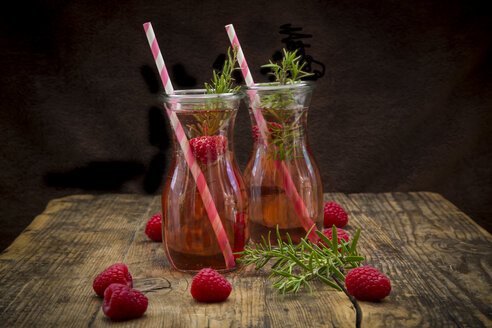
(335, 215)
(122, 302)
(116, 273)
(208, 148)
(210, 286)
(367, 284)
(153, 229)
(341, 234)
(271, 131)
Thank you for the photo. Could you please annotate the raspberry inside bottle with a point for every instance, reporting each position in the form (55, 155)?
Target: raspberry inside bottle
(189, 238)
(285, 109)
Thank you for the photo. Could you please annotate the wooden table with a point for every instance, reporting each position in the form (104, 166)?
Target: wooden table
(439, 262)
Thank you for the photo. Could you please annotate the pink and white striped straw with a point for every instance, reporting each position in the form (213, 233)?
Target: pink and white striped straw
(197, 173)
(289, 186)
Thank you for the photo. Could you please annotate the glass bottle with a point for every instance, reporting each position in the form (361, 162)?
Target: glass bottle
(188, 237)
(284, 109)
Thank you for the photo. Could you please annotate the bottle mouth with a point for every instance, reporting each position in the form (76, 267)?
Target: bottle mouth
(200, 96)
(276, 86)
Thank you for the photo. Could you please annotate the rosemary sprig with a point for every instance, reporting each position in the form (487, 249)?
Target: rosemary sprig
(213, 116)
(223, 82)
(284, 138)
(295, 266)
(289, 70)
(280, 107)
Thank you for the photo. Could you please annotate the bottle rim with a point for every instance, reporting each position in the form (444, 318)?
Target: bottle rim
(199, 95)
(276, 86)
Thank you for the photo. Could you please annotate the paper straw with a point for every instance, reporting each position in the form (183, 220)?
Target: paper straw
(289, 186)
(197, 173)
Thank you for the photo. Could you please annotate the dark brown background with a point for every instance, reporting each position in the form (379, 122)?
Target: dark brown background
(404, 103)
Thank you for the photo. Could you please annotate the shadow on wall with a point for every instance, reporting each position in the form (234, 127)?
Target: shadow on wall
(111, 175)
(294, 41)
(96, 176)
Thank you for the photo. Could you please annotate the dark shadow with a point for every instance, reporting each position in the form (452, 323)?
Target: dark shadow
(157, 125)
(155, 173)
(238, 76)
(181, 77)
(157, 128)
(96, 176)
(159, 138)
(150, 78)
(294, 41)
(111, 175)
(219, 64)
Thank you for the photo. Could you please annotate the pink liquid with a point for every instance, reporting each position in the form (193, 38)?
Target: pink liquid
(269, 204)
(189, 239)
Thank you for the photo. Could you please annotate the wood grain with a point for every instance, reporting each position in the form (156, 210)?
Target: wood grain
(438, 260)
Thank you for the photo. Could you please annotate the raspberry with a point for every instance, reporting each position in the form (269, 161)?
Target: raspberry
(210, 286)
(271, 131)
(122, 302)
(367, 284)
(116, 273)
(256, 133)
(341, 234)
(335, 215)
(208, 148)
(153, 229)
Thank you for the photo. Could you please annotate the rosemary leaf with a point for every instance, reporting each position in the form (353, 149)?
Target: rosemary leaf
(295, 266)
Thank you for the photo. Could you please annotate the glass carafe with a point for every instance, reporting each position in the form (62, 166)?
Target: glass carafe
(188, 236)
(284, 109)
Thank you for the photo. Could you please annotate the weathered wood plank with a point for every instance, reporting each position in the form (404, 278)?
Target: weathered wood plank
(54, 261)
(252, 302)
(439, 261)
(46, 274)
